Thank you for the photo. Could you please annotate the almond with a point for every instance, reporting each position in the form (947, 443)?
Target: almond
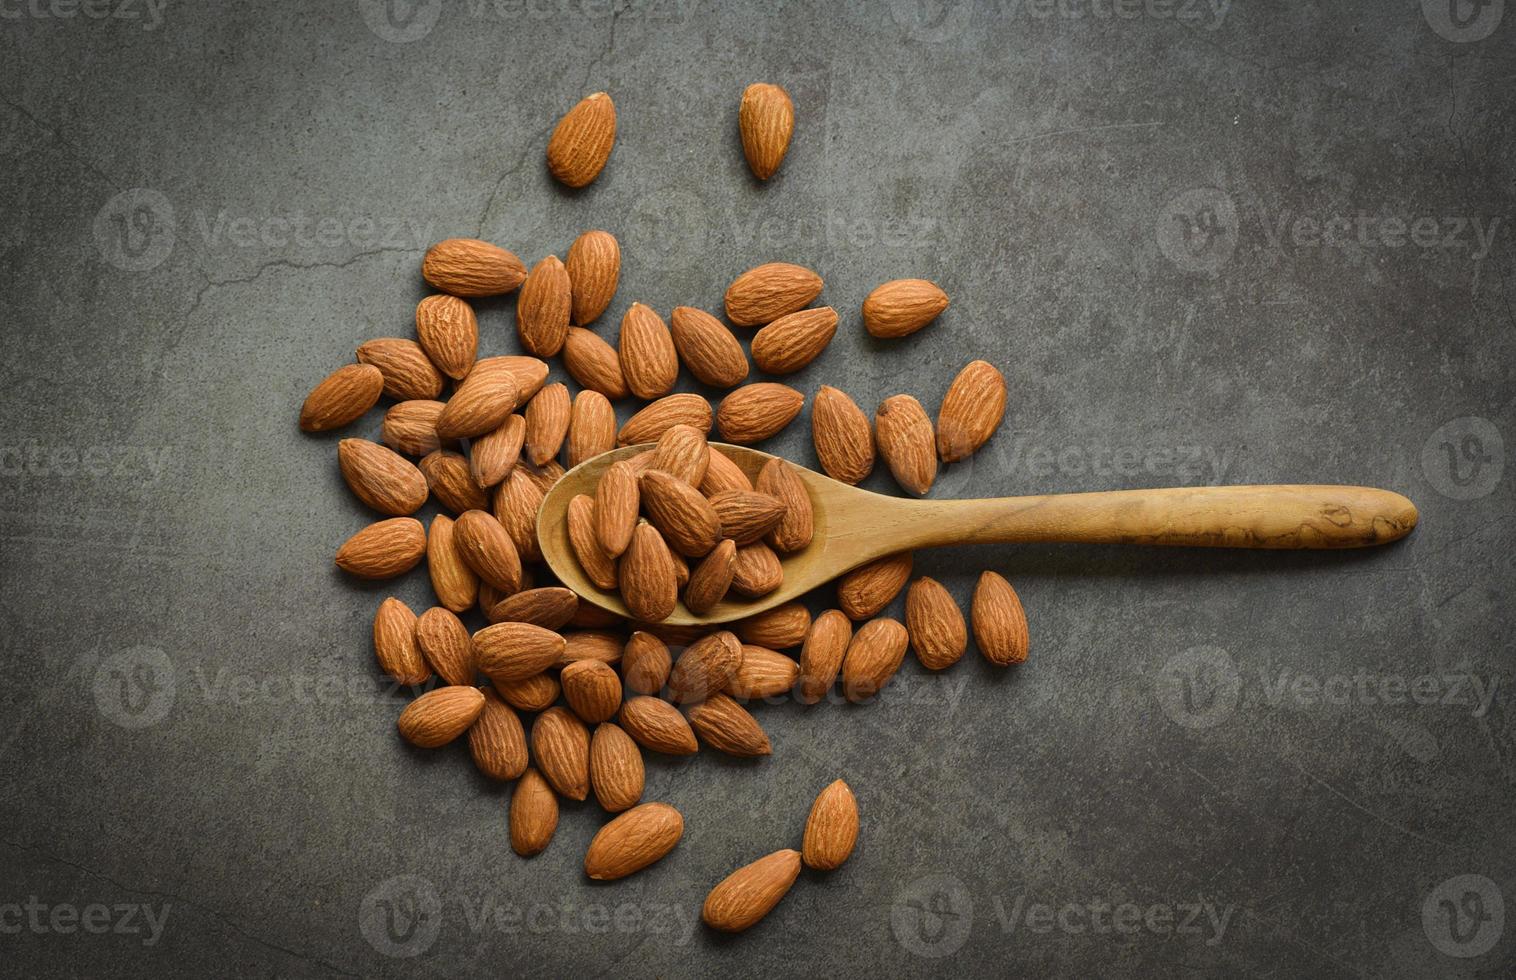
(529, 373)
(516, 502)
(711, 579)
(486, 547)
(592, 689)
(653, 421)
(551, 608)
(679, 636)
(645, 663)
(408, 372)
(843, 437)
(534, 814)
(395, 644)
(906, 442)
(711, 352)
(482, 403)
(763, 673)
(767, 292)
(592, 645)
(497, 741)
(381, 477)
(491, 456)
(658, 726)
(618, 498)
(902, 307)
(971, 411)
(648, 358)
(469, 267)
(683, 452)
(592, 427)
(872, 658)
(632, 841)
(726, 726)
(454, 583)
(534, 693)
(767, 121)
(441, 715)
(681, 570)
(794, 340)
(646, 574)
(746, 515)
(822, 655)
(831, 830)
(999, 621)
(616, 772)
(782, 627)
(597, 565)
(757, 571)
(723, 474)
(547, 422)
(384, 549)
(561, 749)
(757, 411)
(687, 520)
(542, 308)
(594, 363)
(581, 142)
(447, 475)
(515, 651)
(869, 588)
(341, 397)
(445, 642)
(449, 333)
(938, 633)
(594, 268)
(705, 667)
(411, 427)
(796, 524)
(748, 894)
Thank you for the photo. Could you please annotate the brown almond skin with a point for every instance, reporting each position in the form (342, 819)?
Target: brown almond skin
(515, 505)
(582, 141)
(712, 578)
(796, 525)
(869, 588)
(756, 571)
(384, 549)
(529, 373)
(632, 841)
(470, 267)
(395, 644)
(455, 584)
(534, 814)
(515, 651)
(647, 577)
(648, 358)
(766, 120)
(446, 644)
(726, 726)
(448, 477)
(491, 456)
(711, 351)
(592, 690)
(594, 268)
(616, 770)
(1000, 629)
(582, 523)
(408, 372)
(593, 363)
(821, 657)
(481, 404)
(831, 830)
(971, 411)
(746, 516)
(411, 427)
(794, 340)
(705, 667)
(547, 422)
(497, 741)
(440, 715)
(748, 894)
(685, 408)
(658, 726)
(592, 427)
(763, 673)
(843, 436)
(721, 474)
(688, 522)
(341, 398)
(902, 306)
(645, 663)
(551, 608)
(381, 477)
(534, 693)
(780, 628)
(542, 308)
(561, 749)
(872, 658)
(598, 645)
(757, 411)
(938, 633)
(907, 443)
(486, 548)
(767, 292)
(618, 499)
(683, 452)
(448, 332)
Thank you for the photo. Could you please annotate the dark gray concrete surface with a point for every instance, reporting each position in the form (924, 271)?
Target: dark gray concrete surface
(1245, 242)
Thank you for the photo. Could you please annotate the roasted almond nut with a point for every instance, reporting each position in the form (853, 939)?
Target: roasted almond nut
(782, 627)
(481, 404)
(594, 268)
(515, 651)
(648, 358)
(534, 693)
(454, 583)
(341, 398)
(842, 435)
(796, 524)
(726, 726)
(384, 549)
(756, 571)
(469, 267)
(711, 579)
(594, 364)
(767, 292)
(547, 422)
(821, 657)
(711, 351)
(632, 841)
(646, 575)
(440, 715)
(486, 547)
(971, 411)
(645, 663)
(746, 516)
(748, 894)
(534, 814)
(551, 608)
(794, 340)
(869, 588)
(757, 411)
(907, 443)
(395, 644)
(618, 499)
(561, 749)
(831, 830)
(722, 474)
(938, 633)
(616, 771)
(581, 142)
(592, 427)
(687, 520)
(685, 408)
(448, 332)
(491, 456)
(705, 667)
(592, 689)
(1000, 629)
(902, 306)
(763, 673)
(381, 477)
(872, 658)
(408, 372)
(515, 504)
(446, 644)
(598, 645)
(411, 427)
(529, 373)
(542, 308)
(497, 741)
(767, 121)
(683, 452)
(658, 726)
(450, 481)
(599, 566)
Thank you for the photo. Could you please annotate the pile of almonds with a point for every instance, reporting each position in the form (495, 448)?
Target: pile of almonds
(483, 436)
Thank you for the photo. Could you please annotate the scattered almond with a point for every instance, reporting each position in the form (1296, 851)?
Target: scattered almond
(658, 726)
(591, 645)
(705, 667)
(872, 658)
(633, 840)
(794, 340)
(534, 814)
(446, 644)
(831, 830)
(645, 663)
(482, 403)
(561, 749)
(497, 741)
(542, 308)
(491, 456)
(581, 143)
(594, 268)
(616, 771)
(450, 481)
(515, 505)
(449, 333)
(648, 358)
(469, 267)
(381, 477)
(341, 398)
(454, 582)
(842, 435)
(757, 411)
(552, 608)
(748, 894)
(515, 651)
(711, 579)
(593, 363)
(767, 292)
(408, 372)
(902, 306)
(395, 644)
(821, 657)
(534, 693)
(646, 575)
(1000, 629)
(782, 627)
(867, 589)
(711, 352)
(971, 411)
(411, 427)
(763, 673)
(726, 726)
(440, 715)
(767, 121)
(592, 689)
(592, 427)
(656, 419)
(547, 422)
(938, 633)
(384, 549)
(907, 443)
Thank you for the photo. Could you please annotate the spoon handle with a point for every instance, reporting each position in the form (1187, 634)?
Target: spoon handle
(1215, 517)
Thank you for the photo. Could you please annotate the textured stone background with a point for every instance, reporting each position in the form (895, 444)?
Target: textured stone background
(1206, 242)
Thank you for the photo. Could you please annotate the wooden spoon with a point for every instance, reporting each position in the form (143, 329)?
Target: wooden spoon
(856, 526)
